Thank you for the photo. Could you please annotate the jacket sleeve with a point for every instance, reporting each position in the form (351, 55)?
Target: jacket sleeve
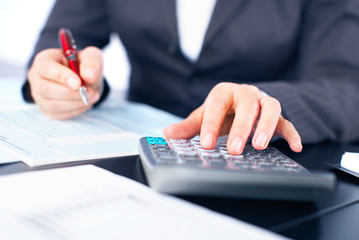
(323, 101)
(88, 22)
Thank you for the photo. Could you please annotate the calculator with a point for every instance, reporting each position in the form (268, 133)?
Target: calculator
(183, 167)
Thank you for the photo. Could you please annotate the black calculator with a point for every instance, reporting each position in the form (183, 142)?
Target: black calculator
(183, 167)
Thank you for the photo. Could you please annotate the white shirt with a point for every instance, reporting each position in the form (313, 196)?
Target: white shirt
(193, 17)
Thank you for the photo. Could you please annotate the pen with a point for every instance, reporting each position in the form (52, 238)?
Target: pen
(68, 45)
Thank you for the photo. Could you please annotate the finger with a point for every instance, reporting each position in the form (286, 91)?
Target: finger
(52, 65)
(246, 114)
(91, 64)
(53, 90)
(286, 130)
(270, 111)
(188, 128)
(217, 104)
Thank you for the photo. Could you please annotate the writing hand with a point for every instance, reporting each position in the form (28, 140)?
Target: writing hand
(54, 86)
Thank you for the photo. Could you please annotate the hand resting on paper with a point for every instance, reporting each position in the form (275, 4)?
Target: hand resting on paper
(54, 86)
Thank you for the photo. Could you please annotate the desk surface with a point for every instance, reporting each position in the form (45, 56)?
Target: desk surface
(331, 218)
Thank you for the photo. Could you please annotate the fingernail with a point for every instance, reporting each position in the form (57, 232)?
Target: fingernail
(299, 146)
(73, 83)
(262, 140)
(236, 145)
(89, 73)
(208, 141)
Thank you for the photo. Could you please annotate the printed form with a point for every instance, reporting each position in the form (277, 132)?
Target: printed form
(101, 133)
(87, 202)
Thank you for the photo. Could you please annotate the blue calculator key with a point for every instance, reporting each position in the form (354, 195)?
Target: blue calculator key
(156, 141)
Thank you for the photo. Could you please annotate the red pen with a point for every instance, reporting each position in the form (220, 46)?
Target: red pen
(68, 45)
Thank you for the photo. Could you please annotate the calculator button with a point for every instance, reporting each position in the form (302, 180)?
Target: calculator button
(165, 154)
(174, 140)
(155, 139)
(167, 159)
(266, 164)
(195, 141)
(200, 149)
(186, 159)
(190, 152)
(215, 161)
(221, 141)
(180, 144)
(186, 152)
(244, 165)
(223, 149)
(211, 154)
(160, 146)
(183, 147)
(197, 145)
(221, 145)
(230, 157)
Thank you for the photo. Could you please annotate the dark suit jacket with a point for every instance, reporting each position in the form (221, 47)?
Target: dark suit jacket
(304, 53)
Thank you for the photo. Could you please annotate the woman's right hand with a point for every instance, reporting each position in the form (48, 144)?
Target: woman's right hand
(54, 86)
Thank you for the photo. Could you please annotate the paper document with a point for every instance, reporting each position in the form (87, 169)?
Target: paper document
(87, 202)
(10, 96)
(350, 161)
(101, 133)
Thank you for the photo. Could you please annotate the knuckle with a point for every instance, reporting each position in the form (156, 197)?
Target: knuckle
(250, 88)
(222, 85)
(273, 102)
(39, 87)
(92, 48)
(38, 57)
(43, 70)
(217, 103)
(43, 55)
(93, 51)
(61, 76)
(250, 106)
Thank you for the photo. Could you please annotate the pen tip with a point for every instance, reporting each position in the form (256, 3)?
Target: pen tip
(83, 93)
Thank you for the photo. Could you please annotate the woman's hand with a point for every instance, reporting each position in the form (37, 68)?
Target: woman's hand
(238, 110)
(54, 86)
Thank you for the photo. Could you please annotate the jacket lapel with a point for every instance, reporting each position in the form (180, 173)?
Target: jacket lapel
(223, 11)
(170, 18)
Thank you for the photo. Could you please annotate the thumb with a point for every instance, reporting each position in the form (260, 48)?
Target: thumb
(91, 65)
(188, 128)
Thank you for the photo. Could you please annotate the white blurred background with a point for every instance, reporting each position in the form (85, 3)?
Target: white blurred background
(20, 24)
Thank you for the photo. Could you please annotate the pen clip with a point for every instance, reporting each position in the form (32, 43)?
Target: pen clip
(67, 41)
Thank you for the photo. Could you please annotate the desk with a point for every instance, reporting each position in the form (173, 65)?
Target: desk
(335, 217)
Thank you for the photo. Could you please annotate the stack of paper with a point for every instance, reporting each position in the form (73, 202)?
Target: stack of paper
(101, 133)
(87, 202)
(350, 161)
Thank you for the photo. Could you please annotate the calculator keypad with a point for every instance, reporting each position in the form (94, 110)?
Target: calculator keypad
(190, 152)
